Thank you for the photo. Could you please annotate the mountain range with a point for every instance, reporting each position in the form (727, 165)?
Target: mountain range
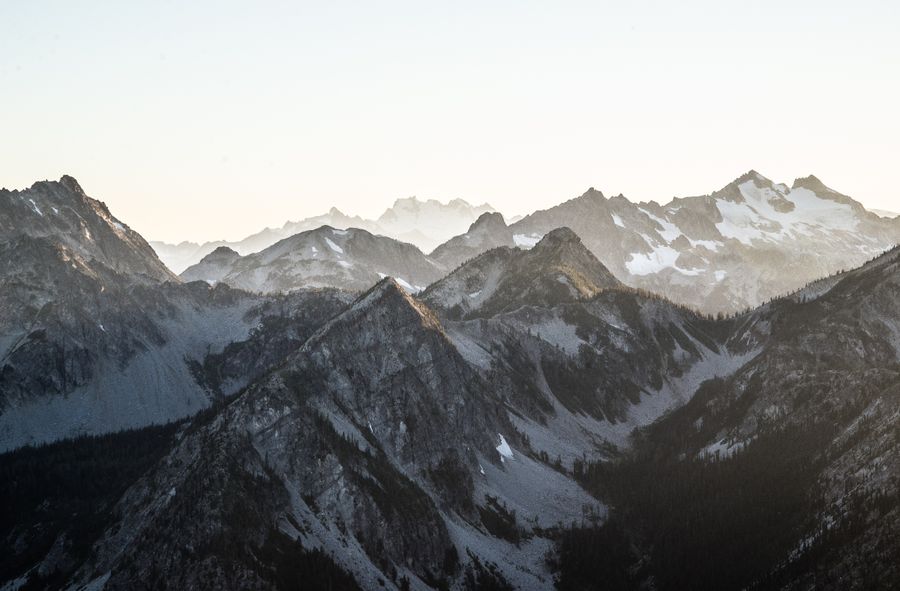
(523, 410)
(731, 250)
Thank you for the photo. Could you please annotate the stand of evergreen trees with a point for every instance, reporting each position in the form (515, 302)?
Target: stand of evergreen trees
(66, 490)
(716, 523)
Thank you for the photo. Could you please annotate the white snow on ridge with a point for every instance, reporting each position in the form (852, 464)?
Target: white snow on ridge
(669, 230)
(503, 449)
(526, 240)
(37, 209)
(333, 246)
(337, 232)
(757, 219)
(618, 221)
(345, 264)
(723, 449)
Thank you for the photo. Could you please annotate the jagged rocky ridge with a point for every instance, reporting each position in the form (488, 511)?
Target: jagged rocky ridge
(82, 228)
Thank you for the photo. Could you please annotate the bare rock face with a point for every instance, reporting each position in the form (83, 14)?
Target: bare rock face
(555, 330)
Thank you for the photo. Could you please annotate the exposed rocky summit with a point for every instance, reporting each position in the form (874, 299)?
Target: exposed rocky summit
(559, 268)
(213, 267)
(487, 232)
(83, 227)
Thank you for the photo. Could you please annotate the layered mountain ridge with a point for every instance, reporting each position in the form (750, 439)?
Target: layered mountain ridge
(508, 426)
(351, 259)
(423, 223)
(728, 251)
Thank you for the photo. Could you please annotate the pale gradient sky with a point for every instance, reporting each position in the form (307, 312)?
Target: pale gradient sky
(202, 120)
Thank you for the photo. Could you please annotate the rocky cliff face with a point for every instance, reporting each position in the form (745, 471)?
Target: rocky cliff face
(551, 327)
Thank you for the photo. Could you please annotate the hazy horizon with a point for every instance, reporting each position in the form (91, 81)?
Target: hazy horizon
(247, 117)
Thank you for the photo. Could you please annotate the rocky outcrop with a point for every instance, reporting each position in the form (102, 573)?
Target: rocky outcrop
(213, 267)
(558, 269)
(487, 232)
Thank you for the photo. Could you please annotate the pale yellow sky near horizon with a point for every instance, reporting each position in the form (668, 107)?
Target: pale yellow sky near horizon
(213, 120)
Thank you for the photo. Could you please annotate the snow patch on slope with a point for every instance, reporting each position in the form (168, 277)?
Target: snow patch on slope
(333, 246)
(662, 257)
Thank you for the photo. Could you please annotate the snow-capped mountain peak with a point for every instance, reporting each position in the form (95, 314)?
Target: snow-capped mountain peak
(750, 241)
